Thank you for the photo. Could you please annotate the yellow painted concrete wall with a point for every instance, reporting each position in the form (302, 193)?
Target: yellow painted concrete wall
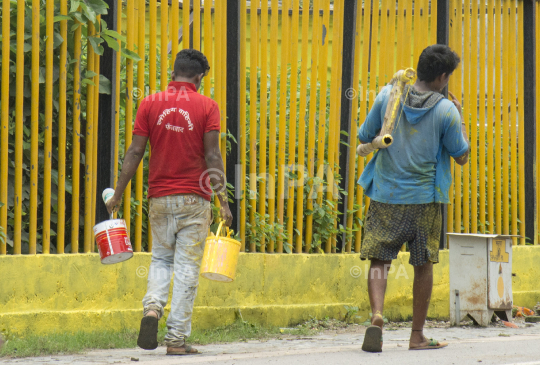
(48, 293)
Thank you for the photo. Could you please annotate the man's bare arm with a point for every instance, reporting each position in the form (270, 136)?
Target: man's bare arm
(463, 159)
(132, 159)
(214, 162)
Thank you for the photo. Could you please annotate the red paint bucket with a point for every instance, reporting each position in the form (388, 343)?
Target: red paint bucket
(113, 241)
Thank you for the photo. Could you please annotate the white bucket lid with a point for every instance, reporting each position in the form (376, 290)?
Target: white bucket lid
(109, 224)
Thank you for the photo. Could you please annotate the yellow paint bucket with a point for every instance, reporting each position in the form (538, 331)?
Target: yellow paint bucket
(220, 257)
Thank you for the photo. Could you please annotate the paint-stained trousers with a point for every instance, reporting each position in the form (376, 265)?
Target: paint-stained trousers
(179, 229)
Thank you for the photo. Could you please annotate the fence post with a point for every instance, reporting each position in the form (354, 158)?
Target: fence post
(529, 104)
(233, 104)
(345, 153)
(443, 28)
(105, 152)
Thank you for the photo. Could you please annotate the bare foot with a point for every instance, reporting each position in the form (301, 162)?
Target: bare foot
(377, 320)
(417, 339)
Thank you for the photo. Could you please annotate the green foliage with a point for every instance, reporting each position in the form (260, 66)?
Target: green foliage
(351, 316)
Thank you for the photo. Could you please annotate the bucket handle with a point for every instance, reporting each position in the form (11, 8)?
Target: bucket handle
(218, 232)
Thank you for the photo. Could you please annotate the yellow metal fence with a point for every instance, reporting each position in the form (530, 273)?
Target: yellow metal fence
(290, 87)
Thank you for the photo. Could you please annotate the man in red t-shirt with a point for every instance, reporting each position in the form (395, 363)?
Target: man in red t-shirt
(183, 127)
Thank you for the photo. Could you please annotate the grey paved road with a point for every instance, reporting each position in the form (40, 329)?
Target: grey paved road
(467, 346)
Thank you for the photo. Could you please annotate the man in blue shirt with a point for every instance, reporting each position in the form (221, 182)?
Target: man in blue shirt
(407, 183)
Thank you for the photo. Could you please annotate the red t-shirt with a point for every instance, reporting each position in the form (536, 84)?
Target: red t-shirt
(175, 121)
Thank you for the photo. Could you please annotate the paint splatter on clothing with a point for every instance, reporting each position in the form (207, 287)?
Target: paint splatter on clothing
(389, 226)
(179, 227)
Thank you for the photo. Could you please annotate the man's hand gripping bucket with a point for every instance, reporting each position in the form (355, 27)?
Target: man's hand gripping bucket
(220, 257)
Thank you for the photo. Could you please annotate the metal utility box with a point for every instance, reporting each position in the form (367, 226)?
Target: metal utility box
(480, 277)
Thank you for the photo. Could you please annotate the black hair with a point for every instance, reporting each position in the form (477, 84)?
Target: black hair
(436, 60)
(190, 62)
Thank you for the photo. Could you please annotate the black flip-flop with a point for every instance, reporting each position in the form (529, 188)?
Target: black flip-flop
(148, 333)
(373, 339)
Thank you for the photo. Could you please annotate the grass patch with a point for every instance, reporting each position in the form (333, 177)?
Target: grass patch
(73, 343)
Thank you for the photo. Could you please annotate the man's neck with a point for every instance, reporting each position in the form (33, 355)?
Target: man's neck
(423, 86)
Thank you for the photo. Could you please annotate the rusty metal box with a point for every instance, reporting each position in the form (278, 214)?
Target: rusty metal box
(480, 277)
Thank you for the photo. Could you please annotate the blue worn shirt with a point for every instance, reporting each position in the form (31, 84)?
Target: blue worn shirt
(415, 169)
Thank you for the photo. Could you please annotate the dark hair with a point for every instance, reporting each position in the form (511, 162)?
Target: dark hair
(436, 60)
(190, 62)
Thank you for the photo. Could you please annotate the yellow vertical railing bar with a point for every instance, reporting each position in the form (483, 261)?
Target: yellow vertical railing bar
(354, 125)
(521, 127)
(217, 58)
(95, 136)
(34, 134)
(482, 103)
(473, 104)
(417, 25)
(223, 71)
(89, 134)
(426, 23)
(4, 128)
(401, 59)
(433, 32)
(208, 45)
(186, 7)
(75, 169)
(505, 127)
(333, 129)
(375, 57)
(152, 70)
(512, 118)
(47, 148)
(243, 132)
(60, 227)
(273, 111)
(152, 49)
(164, 7)
(19, 101)
(197, 24)
(490, 120)
(333, 107)
(175, 22)
(129, 101)
(95, 129)
(451, 86)
(285, 56)
(302, 122)
(253, 62)
(390, 64)
(315, 44)
(292, 119)
(408, 33)
(457, 92)
(117, 98)
(383, 42)
(364, 91)
(263, 123)
(323, 77)
(141, 17)
(467, 108)
(497, 119)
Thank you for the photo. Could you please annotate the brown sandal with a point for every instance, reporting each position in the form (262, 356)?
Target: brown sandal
(184, 350)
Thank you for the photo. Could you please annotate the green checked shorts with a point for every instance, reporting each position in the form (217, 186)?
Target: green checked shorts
(389, 226)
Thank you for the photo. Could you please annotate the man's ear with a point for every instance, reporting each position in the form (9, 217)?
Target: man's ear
(173, 76)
